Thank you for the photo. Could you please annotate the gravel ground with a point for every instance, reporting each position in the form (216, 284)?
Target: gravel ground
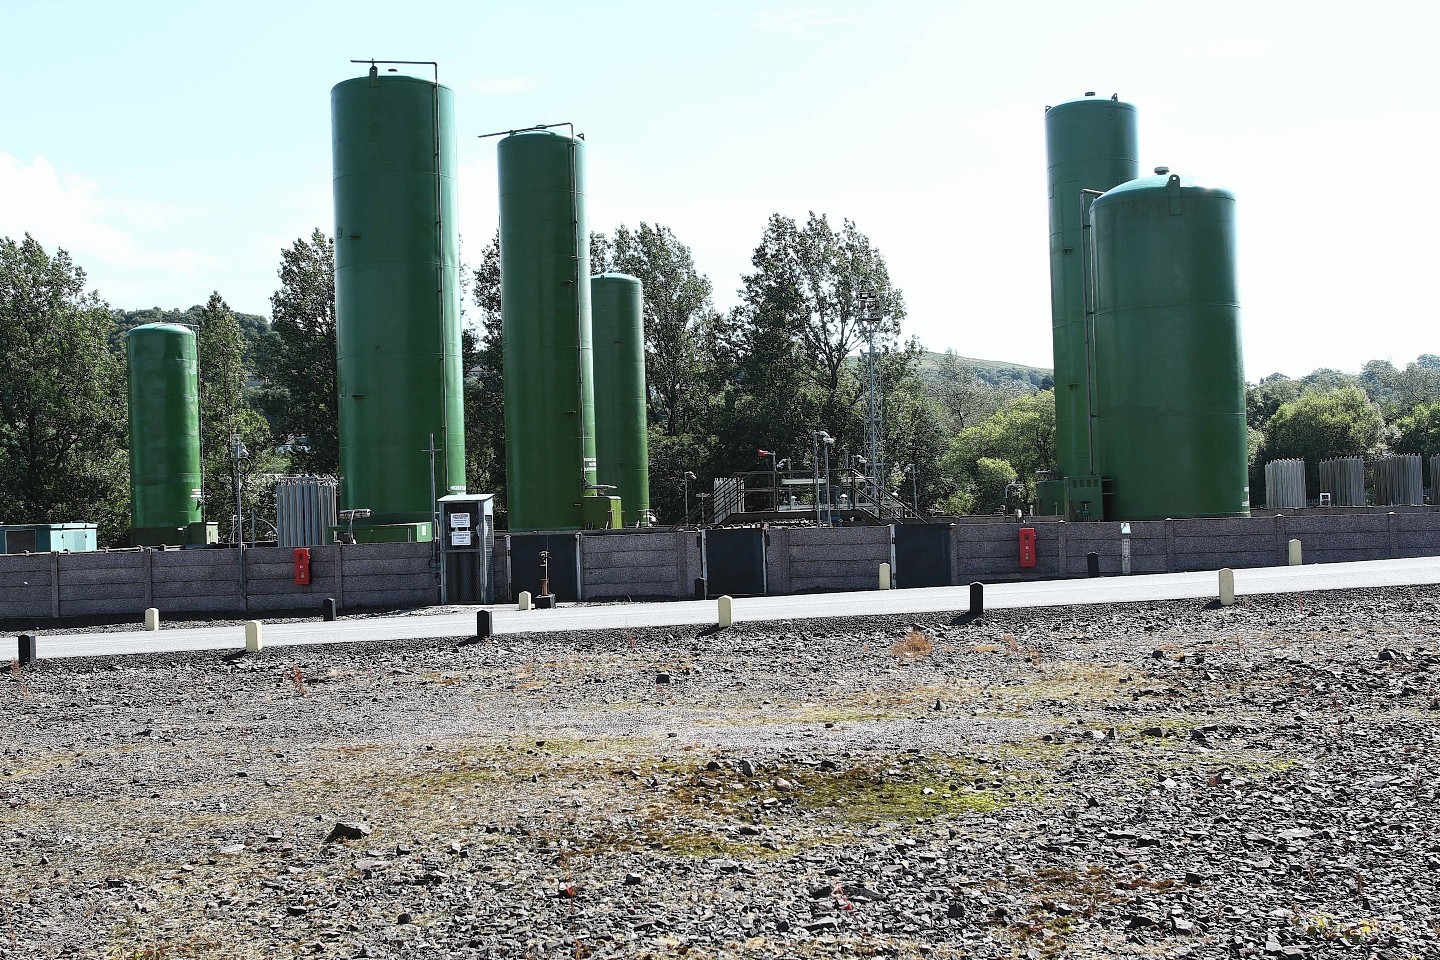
(1160, 780)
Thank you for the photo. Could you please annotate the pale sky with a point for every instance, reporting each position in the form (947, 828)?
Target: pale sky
(175, 148)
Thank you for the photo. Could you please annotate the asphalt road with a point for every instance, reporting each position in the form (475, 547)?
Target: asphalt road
(452, 621)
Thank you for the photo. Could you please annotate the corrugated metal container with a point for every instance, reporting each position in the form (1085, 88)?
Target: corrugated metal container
(1399, 480)
(545, 309)
(1343, 479)
(1169, 382)
(397, 296)
(305, 511)
(1285, 484)
(1091, 144)
(622, 444)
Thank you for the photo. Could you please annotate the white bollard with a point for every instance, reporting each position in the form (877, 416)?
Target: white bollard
(523, 601)
(253, 643)
(1295, 560)
(152, 619)
(727, 611)
(1227, 587)
(884, 576)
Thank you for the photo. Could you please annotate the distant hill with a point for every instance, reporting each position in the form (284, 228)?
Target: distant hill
(997, 373)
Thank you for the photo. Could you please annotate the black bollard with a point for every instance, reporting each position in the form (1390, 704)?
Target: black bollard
(1092, 564)
(977, 599)
(484, 626)
(28, 644)
(327, 609)
(702, 590)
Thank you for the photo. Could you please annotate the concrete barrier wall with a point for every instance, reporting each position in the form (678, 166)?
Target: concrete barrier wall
(662, 564)
(617, 564)
(125, 582)
(831, 559)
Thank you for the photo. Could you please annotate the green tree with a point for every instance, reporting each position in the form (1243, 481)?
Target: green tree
(992, 478)
(1323, 424)
(963, 394)
(300, 397)
(678, 315)
(785, 357)
(62, 396)
(1022, 435)
(1419, 431)
(222, 396)
(226, 413)
(917, 438)
(485, 382)
(1264, 398)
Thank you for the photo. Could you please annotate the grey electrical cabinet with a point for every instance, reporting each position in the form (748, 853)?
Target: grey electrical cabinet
(467, 545)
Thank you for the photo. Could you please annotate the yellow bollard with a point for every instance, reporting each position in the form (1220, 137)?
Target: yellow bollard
(152, 619)
(727, 611)
(253, 643)
(523, 601)
(1295, 560)
(884, 576)
(1227, 587)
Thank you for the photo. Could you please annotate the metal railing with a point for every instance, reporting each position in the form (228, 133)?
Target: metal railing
(779, 496)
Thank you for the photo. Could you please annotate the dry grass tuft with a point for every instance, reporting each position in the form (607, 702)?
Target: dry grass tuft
(912, 646)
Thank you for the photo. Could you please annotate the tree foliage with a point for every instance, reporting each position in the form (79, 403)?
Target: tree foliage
(484, 353)
(254, 330)
(1419, 431)
(63, 454)
(300, 397)
(1341, 422)
(678, 313)
(226, 413)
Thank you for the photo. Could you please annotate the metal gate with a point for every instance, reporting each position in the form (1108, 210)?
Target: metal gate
(564, 564)
(735, 562)
(922, 554)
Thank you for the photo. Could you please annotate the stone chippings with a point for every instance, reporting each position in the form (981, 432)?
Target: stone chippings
(1161, 780)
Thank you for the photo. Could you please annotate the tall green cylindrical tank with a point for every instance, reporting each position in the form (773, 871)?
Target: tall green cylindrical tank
(1169, 381)
(545, 311)
(397, 296)
(1090, 144)
(164, 432)
(622, 445)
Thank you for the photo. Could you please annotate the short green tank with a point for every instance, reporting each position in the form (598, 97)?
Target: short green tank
(622, 444)
(1090, 144)
(545, 312)
(1169, 381)
(397, 296)
(164, 433)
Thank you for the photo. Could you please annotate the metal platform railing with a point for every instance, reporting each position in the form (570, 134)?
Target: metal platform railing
(766, 496)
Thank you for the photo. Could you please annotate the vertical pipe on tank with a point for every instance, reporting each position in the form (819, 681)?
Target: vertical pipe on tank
(622, 447)
(164, 393)
(1091, 145)
(397, 295)
(546, 319)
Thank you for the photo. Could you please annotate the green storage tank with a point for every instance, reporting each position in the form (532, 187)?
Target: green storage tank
(1169, 381)
(545, 312)
(622, 444)
(165, 486)
(1091, 144)
(397, 298)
